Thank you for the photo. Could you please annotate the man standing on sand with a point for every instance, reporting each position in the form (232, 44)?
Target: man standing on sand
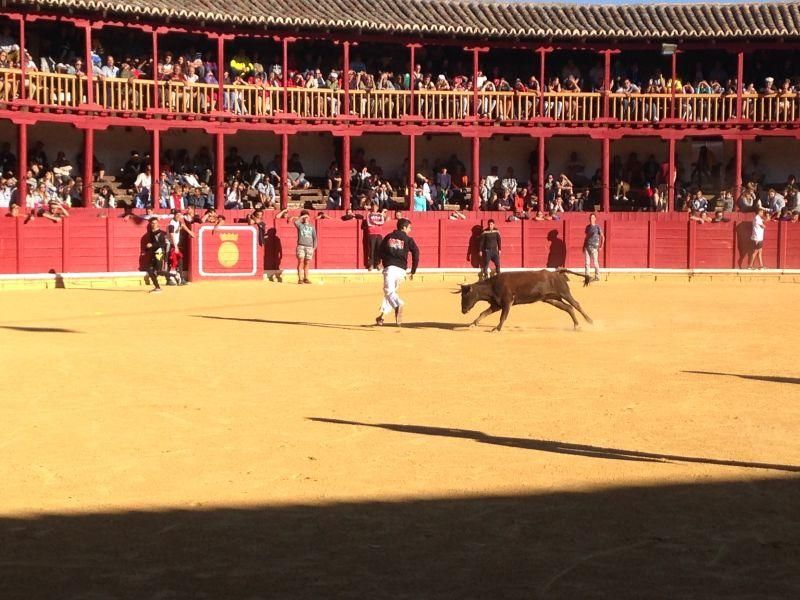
(591, 245)
(490, 249)
(394, 251)
(306, 245)
(757, 237)
(156, 247)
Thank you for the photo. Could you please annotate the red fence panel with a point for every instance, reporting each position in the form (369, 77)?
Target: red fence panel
(792, 233)
(512, 253)
(426, 234)
(8, 244)
(714, 246)
(627, 244)
(543, 243)
(672, 245)
(125, 242)
(85, 245)
(460, 242)
(281, 246)
(42, 243)
(339, 246)
(574, 234)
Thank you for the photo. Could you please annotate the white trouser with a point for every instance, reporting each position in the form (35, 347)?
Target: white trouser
(590, 256)
(392, 276)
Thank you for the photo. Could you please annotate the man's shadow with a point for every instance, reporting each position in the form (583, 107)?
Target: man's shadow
(559, 447)
(557, 256)
(745, 246)
(474, 247)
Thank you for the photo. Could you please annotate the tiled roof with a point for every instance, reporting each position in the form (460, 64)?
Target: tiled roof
(471, 18)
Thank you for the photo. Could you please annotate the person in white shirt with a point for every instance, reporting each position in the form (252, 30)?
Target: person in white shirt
(757, 237)
(266, 193)
(143, 184)
(109, 70)
(174, 228)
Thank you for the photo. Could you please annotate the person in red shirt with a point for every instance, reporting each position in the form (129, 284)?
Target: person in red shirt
(374, 225)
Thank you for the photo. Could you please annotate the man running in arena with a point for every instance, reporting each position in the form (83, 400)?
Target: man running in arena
(176, 225)
(156, 247)
(490, 249)
(394, 251)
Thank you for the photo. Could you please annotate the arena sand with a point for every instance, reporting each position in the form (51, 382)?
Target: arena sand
(251, 440)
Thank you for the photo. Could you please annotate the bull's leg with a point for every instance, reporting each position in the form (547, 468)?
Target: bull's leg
(568, 297)
(566, 308)
(493, 308)
(503, 315)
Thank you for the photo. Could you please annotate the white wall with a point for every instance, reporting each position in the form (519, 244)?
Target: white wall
(779, 157)
(389, 151)
(57, 138)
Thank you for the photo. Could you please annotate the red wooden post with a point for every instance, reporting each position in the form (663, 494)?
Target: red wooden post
(23, 60)
(412, 51)
(284, 170)
(540, 190)
(607, 249)
(156, 103)
(89, 70)
(346, 197)
(22, 158)
(412, 160)
(607, 83)
(475, 69)
(155, 171)
(285, 82)
(220, 73)
(671, 176)
(476, 173)
(542, 53)
(672, 87)
(692, 254)
(346, 78)
(606, 196)
(739, 83)
(88, 167)
(651, 244)
(737, 175)
(219, 171)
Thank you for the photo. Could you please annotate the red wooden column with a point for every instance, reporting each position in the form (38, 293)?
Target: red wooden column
(606, 197)
(476, 52)
(606, 83)
(220, 73)
(542, 54)
(412, 160)
(88, 167)
(284, 170)
(346, 80)
(540, 191)
(22, 165)
(219, 170)
(476, 172)
(90, 100)
(155, 168)
(739, 83)
(156, 101)
(346, 197)
(285, 41)
(737, 175)
(671, 175)
(23, 61)
(672, 112)
(413, 58)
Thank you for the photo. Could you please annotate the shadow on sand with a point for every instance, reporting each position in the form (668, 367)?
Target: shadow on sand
(356, 327)
(770, 378)
(559, 447)
(713, 540)
(38, 329)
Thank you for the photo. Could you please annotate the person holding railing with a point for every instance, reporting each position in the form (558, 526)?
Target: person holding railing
(554, 106)
(628, 89)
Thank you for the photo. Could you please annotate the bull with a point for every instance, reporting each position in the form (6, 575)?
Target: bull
(522, 287)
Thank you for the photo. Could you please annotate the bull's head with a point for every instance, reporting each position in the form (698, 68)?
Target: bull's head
(469, 296)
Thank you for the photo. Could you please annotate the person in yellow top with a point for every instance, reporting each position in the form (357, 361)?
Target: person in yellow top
(241, 64)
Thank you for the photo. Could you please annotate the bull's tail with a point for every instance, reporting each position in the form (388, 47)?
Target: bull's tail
(586, 279)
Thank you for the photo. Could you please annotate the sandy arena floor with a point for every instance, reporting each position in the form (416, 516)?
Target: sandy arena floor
(255, 440)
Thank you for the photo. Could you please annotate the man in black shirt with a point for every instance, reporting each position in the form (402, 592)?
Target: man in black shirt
(490, 249)
(394, 251)
(156, 247)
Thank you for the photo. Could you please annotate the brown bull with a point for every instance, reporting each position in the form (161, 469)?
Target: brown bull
(522, 287)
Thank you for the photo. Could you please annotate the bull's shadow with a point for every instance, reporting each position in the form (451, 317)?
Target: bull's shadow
(769, 378)
(343, 326)
(560, 447)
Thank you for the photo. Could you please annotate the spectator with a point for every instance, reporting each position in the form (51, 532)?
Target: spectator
(775, 202)
(757, 238)
(374, 224)
(142, 187)
(592, 243)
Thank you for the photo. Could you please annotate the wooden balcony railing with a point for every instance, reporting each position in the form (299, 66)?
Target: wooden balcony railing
(380, 105)
(68, 92)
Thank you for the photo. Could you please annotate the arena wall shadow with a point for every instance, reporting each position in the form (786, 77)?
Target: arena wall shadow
(733, 539)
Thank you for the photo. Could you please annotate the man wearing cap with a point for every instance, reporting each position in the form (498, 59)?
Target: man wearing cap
(306, 243)
(394, 256)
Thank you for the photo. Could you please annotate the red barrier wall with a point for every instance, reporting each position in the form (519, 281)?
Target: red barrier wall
(92, 242)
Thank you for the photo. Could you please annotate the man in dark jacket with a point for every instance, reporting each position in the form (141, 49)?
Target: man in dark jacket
(394, 251)
(490, 249)
(156, 247)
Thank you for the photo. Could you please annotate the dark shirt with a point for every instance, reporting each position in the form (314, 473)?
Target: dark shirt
(593, 233)
(158, 244)
(490, 240)
(395, 248)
